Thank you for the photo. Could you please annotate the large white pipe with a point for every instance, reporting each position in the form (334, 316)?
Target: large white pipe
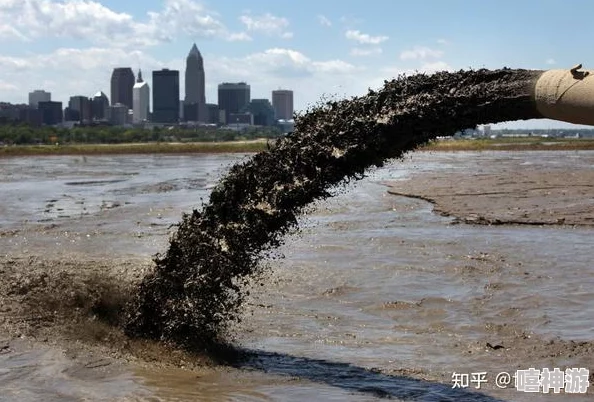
(566, 95)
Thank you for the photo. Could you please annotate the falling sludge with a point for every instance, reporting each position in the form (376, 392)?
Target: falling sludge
(196, 288)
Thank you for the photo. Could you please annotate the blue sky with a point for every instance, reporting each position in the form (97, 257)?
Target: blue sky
(327, 49)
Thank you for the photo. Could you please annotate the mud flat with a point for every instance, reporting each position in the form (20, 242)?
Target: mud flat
(378, 297)
(513, 193)
(446, 294)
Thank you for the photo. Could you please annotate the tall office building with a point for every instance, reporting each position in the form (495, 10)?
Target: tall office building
(99, 106)
(165, 96)
(195, 99)
(51, 112)
(141, 98)
(118, 114)
(79, 109)
(39, 95)
(262, 111)
(233, 98)
(31, 116)
(181, 111)
(122, 82)
(212, 112)
(282, 101)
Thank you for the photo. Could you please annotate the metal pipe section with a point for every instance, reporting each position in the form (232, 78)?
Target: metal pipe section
(566, 95)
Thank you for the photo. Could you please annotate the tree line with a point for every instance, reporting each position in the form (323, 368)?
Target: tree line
(22, 134)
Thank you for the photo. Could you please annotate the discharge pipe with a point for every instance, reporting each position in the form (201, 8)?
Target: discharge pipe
(566, 95)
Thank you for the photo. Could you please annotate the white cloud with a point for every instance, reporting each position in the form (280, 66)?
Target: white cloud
(8, 63)
(35, 18)
(359, 51)
(10, 32)
(6, 86)
(365, 39)
(188, 17)
(239, 37)
(420, 53)
(324, 21)
(267, 24)
(435, 67)
(551, 61)
(277, 56)
(334, 67)
(88, 20)
(284, 63)
(66, 71)
(94, 59)
(443, 41)
(349, 20)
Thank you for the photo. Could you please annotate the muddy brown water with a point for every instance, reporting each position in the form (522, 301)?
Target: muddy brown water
(376, 297)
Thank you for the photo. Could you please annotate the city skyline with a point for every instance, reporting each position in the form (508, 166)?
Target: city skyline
(232, 98)
(327, 52)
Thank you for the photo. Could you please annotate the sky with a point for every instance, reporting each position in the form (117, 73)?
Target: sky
(322, 50)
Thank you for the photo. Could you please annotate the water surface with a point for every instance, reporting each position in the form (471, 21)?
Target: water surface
(376, 296)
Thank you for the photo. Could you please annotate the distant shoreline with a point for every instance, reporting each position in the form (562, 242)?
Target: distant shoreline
(444, 145)
(511, 144)
(135, 148)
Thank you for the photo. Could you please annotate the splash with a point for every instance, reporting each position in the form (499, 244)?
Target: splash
(197, 287)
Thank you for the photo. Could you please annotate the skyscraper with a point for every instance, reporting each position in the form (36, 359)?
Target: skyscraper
(39, 95)
(233, 98)
(141, 95)
(282, 101)
(165, 96)
(118, 114)
(99, 106)
(195, 100)
(212, 113)
(51, 112)
(122, 82)
(79, 109)
(262, 111)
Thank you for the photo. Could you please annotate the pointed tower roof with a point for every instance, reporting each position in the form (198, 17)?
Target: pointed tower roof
(194, 51)
(139, 79)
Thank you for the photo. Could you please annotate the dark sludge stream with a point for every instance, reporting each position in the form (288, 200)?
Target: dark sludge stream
(197, 287)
